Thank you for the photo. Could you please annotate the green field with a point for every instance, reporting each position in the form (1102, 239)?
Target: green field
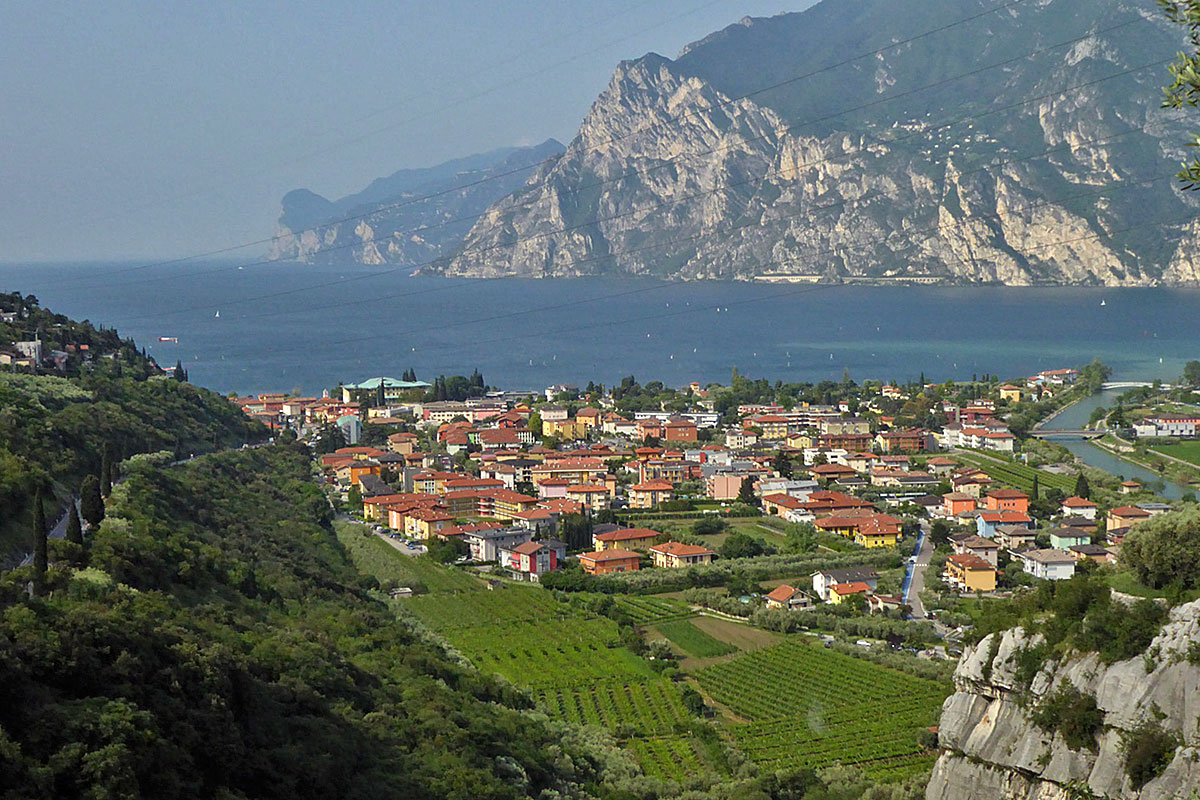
(1184, 451)
(807, 707)
(1019, 476)
(693, 641)
(643, 609)
(374, 556)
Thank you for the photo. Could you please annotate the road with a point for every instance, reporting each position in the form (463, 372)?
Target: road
(914, 578)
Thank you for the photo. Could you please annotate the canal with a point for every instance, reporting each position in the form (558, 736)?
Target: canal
(1077, 417)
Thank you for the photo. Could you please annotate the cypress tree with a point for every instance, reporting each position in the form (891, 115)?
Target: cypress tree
(105, 473)
(1035, 489)
(90, 502)
(40, 557)
(1082, 489)
(74, 528)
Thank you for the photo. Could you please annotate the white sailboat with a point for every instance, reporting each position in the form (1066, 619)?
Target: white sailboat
(1103, 303)
(218, 315)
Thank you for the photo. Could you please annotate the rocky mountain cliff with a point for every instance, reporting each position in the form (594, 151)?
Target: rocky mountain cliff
(408, 218)
(993, 750)
(1003, 149)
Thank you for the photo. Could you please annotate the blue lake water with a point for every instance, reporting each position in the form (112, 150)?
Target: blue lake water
(284, 326)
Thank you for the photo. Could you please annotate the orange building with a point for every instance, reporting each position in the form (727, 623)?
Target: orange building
(603, 562)
(1007, 500)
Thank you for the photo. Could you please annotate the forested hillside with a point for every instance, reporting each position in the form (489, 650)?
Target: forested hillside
(220, 645)
(109, 398)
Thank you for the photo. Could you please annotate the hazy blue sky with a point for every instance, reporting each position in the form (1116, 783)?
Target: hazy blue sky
(142, 130)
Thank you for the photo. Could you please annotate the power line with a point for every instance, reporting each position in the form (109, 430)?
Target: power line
(545, 234)
(723, 187)
(720, 104)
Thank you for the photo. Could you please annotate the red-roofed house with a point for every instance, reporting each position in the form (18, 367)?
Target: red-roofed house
(529, 561)
(840, 591)
(635, 538)
(674, 555)
(603, 562)
(1079, 507)
(787, 597)
(1007, 500)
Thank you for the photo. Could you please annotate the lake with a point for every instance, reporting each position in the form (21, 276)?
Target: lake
(283, 326)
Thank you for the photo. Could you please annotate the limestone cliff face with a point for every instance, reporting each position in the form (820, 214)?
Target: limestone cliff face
(1036, 170)
(992, 750)
(408, 218)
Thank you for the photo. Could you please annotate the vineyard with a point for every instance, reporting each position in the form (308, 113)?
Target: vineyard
(695, 642)
(643, 609)
(649, 708)
(671, 757)
(374, 556)
(807, 707)
(1019, 476)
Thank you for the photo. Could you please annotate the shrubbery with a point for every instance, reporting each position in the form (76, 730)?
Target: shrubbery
(1073, 715)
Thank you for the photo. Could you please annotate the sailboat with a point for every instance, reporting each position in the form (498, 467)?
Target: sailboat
(1103, 303)
(218, 315)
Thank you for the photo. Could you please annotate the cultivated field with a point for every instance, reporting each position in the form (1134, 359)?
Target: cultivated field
(693, 641)
(801, 706)
(1019, 476)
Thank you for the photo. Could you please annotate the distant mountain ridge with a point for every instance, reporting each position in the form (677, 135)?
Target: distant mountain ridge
(997, 176)
(409, 217)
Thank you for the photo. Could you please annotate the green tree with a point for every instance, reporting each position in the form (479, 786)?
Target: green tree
(1184, 89)
(179, 374)
(40, 559)
(74, 528)
(739, 545)
(105, 473)
(1082, 488)
(91, 504)
(1165, 549)
(329, 439)
(746, 492)
(782, 464)
(354, 500)
(1035, 489)
(1191, 373)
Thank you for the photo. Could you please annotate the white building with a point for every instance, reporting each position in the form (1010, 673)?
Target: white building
(1052, 565)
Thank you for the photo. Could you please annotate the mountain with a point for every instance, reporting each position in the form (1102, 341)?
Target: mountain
(408, 217)
(1000, 149)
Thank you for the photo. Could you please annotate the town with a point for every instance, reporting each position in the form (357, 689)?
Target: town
(636, 478)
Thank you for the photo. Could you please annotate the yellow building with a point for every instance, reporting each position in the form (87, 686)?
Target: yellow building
(1010, 393)
(970, 573)
(565, 429)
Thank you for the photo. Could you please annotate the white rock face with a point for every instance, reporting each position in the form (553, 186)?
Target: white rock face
(992, 750)
(1043, 172)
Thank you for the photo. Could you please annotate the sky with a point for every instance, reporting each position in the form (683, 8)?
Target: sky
(138, 130)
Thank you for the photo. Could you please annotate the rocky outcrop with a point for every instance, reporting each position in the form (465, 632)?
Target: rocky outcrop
(408, 218)
(1036, 170)
(993, 750)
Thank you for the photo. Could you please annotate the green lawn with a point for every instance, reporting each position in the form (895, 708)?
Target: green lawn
(1185, 451)
(693, 641)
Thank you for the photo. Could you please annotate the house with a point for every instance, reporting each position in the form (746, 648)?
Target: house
(987, 521)
(840, 592)
(678, 429)
(1054, 565)
(869, 530)
(1122, 518)
(1096, 552)
(529, 560)
(823, 580)
(882, 603)
(784, 505)
(674, 555)
(1079, 507)
(1066, 538)
(624, 538)
(487, 543)
(968, 572)
(382, 389)
(956, 503)
(649, 494)
(786, 597)
(1007, 500)
(589, 496)
(724, 485)
(1015, 537)
(1164, 426)
(1131, 487)
(971, 544)
(603, 562)
(906, 441)
(773, 426)
(740, 438)
(941, 466)
(1010, 393)
(832, 472)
